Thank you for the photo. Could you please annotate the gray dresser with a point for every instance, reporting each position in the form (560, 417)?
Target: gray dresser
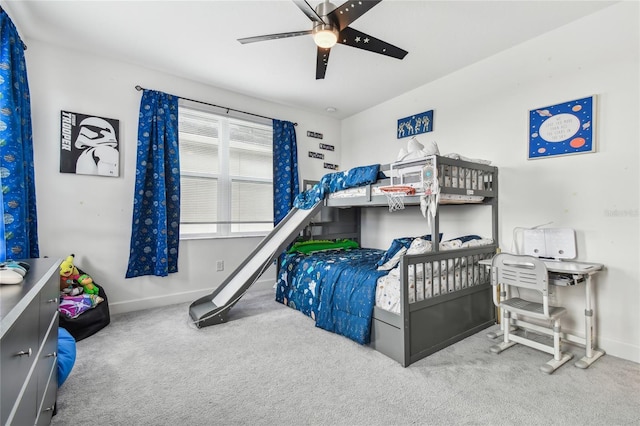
(29, 344)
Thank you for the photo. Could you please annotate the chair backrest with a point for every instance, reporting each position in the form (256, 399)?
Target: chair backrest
(520, 271)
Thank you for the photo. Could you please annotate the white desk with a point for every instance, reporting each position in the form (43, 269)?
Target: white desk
(579, 271)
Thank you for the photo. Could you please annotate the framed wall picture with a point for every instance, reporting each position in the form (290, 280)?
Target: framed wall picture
(415, 124)
(89, 145)
(563, 129)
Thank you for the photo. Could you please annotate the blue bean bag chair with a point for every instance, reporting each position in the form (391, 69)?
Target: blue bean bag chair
(66, 354)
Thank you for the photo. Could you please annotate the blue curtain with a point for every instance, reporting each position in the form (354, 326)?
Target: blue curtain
(285, 168)
(20, 224)
(155, 233)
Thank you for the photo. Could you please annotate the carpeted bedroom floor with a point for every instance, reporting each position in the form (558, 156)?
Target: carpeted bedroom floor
(269, 365)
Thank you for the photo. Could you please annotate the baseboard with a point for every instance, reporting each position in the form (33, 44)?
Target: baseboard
(620, 349)
(165, 300)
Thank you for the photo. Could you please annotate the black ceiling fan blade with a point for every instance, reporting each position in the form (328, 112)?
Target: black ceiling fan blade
(360, 40)
(309, 11)
(350, 11)
(273, 36)
(321, 62)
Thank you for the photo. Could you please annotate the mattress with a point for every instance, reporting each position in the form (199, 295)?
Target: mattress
(431, 279)
(444, 198)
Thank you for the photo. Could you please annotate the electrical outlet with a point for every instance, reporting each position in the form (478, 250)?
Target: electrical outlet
(220, 265)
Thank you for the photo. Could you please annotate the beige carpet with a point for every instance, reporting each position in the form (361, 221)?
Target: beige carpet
(271, 366)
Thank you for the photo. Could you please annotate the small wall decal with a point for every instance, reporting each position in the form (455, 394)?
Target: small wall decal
(327, 147)
(89, 145)
(331, 166)
(316, 155)
(315, 135)
(415, 124)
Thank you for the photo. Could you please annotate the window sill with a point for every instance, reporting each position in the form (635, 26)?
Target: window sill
(218, 237)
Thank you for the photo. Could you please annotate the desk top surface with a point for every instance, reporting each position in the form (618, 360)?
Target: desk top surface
(564, 266)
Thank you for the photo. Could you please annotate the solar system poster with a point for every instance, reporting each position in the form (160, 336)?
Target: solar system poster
(562, 129)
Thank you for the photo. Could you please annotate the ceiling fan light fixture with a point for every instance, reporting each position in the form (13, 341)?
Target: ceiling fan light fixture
(325, 36)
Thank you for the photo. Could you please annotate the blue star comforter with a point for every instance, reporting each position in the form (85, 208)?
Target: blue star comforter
(333, 182)
(336, 288)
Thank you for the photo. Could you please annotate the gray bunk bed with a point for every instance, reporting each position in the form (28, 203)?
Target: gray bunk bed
(445, 296)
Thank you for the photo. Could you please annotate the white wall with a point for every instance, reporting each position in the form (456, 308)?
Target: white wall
(90, 215)
(482, 112)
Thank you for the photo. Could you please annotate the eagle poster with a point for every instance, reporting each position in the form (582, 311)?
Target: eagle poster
(89, 145)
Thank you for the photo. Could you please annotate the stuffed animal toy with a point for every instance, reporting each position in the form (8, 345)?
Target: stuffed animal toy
(67, 270)
(69, 276)
(87, 284)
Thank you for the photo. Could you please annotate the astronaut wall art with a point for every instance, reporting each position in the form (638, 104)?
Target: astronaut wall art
(89, 145)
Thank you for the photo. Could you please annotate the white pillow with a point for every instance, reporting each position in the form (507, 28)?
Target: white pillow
(415, 150)
(432, 148)
(393, 262)
(414, 145)
(419, 246)
(403, 153)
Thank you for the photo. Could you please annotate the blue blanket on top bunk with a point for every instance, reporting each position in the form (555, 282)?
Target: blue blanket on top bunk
(336, 288)
(332, 182)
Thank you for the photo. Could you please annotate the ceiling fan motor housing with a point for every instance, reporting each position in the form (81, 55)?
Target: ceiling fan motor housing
(323, 9)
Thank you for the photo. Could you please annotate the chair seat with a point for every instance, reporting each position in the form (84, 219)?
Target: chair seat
(532, 309)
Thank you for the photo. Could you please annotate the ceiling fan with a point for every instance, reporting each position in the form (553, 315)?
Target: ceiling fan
(331, 26)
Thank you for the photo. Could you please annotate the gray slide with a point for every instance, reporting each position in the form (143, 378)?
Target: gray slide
(214, 308)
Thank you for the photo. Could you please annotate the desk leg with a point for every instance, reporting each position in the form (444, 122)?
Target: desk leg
(591, 354)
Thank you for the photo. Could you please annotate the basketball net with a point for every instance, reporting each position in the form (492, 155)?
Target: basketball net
(395, 195)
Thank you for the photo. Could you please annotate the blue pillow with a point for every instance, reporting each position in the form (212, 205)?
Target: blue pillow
(66, 354)
(467, 238)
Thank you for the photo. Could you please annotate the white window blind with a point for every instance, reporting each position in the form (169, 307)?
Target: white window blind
(226, 173)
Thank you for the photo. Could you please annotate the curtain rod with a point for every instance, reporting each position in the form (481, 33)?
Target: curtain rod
(140, 88)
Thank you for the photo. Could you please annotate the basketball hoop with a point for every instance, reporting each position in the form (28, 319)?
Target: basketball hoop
(395, 195)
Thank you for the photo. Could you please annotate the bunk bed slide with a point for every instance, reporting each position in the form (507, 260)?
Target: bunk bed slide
(419, 296)
(214, 308)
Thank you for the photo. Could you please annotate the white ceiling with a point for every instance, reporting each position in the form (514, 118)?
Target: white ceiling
(198, 40)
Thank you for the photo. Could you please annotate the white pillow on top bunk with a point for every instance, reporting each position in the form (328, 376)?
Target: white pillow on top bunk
(416, 150)
(472, 160)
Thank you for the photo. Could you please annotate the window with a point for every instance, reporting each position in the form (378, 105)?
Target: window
(226, 173)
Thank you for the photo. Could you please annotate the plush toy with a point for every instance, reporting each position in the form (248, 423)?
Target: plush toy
(69, 276)
(87, 284)
(67, 269)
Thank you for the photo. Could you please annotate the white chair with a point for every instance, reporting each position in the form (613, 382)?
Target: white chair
(527, 272)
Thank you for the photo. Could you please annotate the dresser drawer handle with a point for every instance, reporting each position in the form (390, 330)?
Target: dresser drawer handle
(54, 300)
(23, 353)
(50, 408)
(54, 354)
